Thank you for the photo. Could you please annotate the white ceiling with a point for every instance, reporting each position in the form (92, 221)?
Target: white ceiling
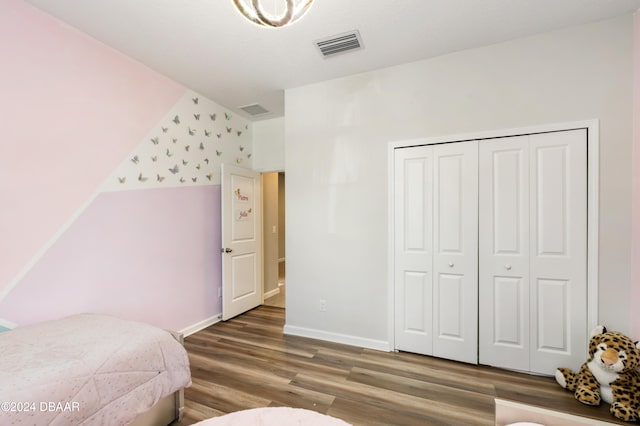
(207, 46)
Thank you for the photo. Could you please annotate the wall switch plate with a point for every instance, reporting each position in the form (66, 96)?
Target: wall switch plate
(323, 305)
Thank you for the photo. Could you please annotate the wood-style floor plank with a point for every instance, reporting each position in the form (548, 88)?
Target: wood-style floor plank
(247, 362)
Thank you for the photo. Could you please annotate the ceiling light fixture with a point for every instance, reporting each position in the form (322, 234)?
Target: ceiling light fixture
(255, 12)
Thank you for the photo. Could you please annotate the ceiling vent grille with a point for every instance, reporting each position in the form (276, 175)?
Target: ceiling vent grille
(340, 43)
(254, 109)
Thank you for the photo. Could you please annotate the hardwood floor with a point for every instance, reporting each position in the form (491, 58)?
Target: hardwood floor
(279, 300)
(247, 362)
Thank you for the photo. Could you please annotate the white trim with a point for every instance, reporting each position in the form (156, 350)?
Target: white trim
(593, 221)
(379, 345)
(273, 292)
(391, 244)
(188, 331)
(593, 201)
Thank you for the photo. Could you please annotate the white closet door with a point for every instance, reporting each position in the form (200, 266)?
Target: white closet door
(504, 252)
(413, 249)
(455, 251)
(558, 249)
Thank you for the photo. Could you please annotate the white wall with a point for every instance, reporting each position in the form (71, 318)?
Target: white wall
(268, 145)
(337, 133)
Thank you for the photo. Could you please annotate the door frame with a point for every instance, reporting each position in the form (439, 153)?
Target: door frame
(593, 202)
(265, 295)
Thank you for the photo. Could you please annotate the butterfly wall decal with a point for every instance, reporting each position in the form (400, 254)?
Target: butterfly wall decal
(150, 162)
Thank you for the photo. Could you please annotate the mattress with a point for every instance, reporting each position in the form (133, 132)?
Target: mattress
(87, 369)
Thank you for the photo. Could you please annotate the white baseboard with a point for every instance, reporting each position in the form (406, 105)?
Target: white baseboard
(379, 345)
(271, 293)
(188, 331)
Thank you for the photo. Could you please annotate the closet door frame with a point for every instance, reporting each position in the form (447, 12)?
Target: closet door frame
(593, 202)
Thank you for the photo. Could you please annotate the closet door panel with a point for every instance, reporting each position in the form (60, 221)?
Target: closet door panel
(504, 252)
(413, 249)
(455, 256)
(558, 246)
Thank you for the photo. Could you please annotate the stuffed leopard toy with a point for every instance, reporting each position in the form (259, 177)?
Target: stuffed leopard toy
(610, 374)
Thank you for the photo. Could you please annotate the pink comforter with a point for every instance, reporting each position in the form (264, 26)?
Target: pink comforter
(87, 369)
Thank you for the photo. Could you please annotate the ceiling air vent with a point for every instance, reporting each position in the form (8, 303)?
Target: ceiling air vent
(340, 43)
(254, 109)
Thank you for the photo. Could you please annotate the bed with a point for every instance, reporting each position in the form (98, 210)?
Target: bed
(91, 369)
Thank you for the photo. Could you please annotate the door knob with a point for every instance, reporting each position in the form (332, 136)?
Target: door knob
(226, 250)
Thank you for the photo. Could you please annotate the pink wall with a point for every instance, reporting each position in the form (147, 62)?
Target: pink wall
(71, 110)
(635, 297)
(140, 255)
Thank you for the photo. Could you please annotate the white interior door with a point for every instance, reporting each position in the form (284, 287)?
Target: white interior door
(455, 251)
(241, 241)
(558, 249)
(491, 250)
(413, 300)
(504, 252)
(533, 251)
